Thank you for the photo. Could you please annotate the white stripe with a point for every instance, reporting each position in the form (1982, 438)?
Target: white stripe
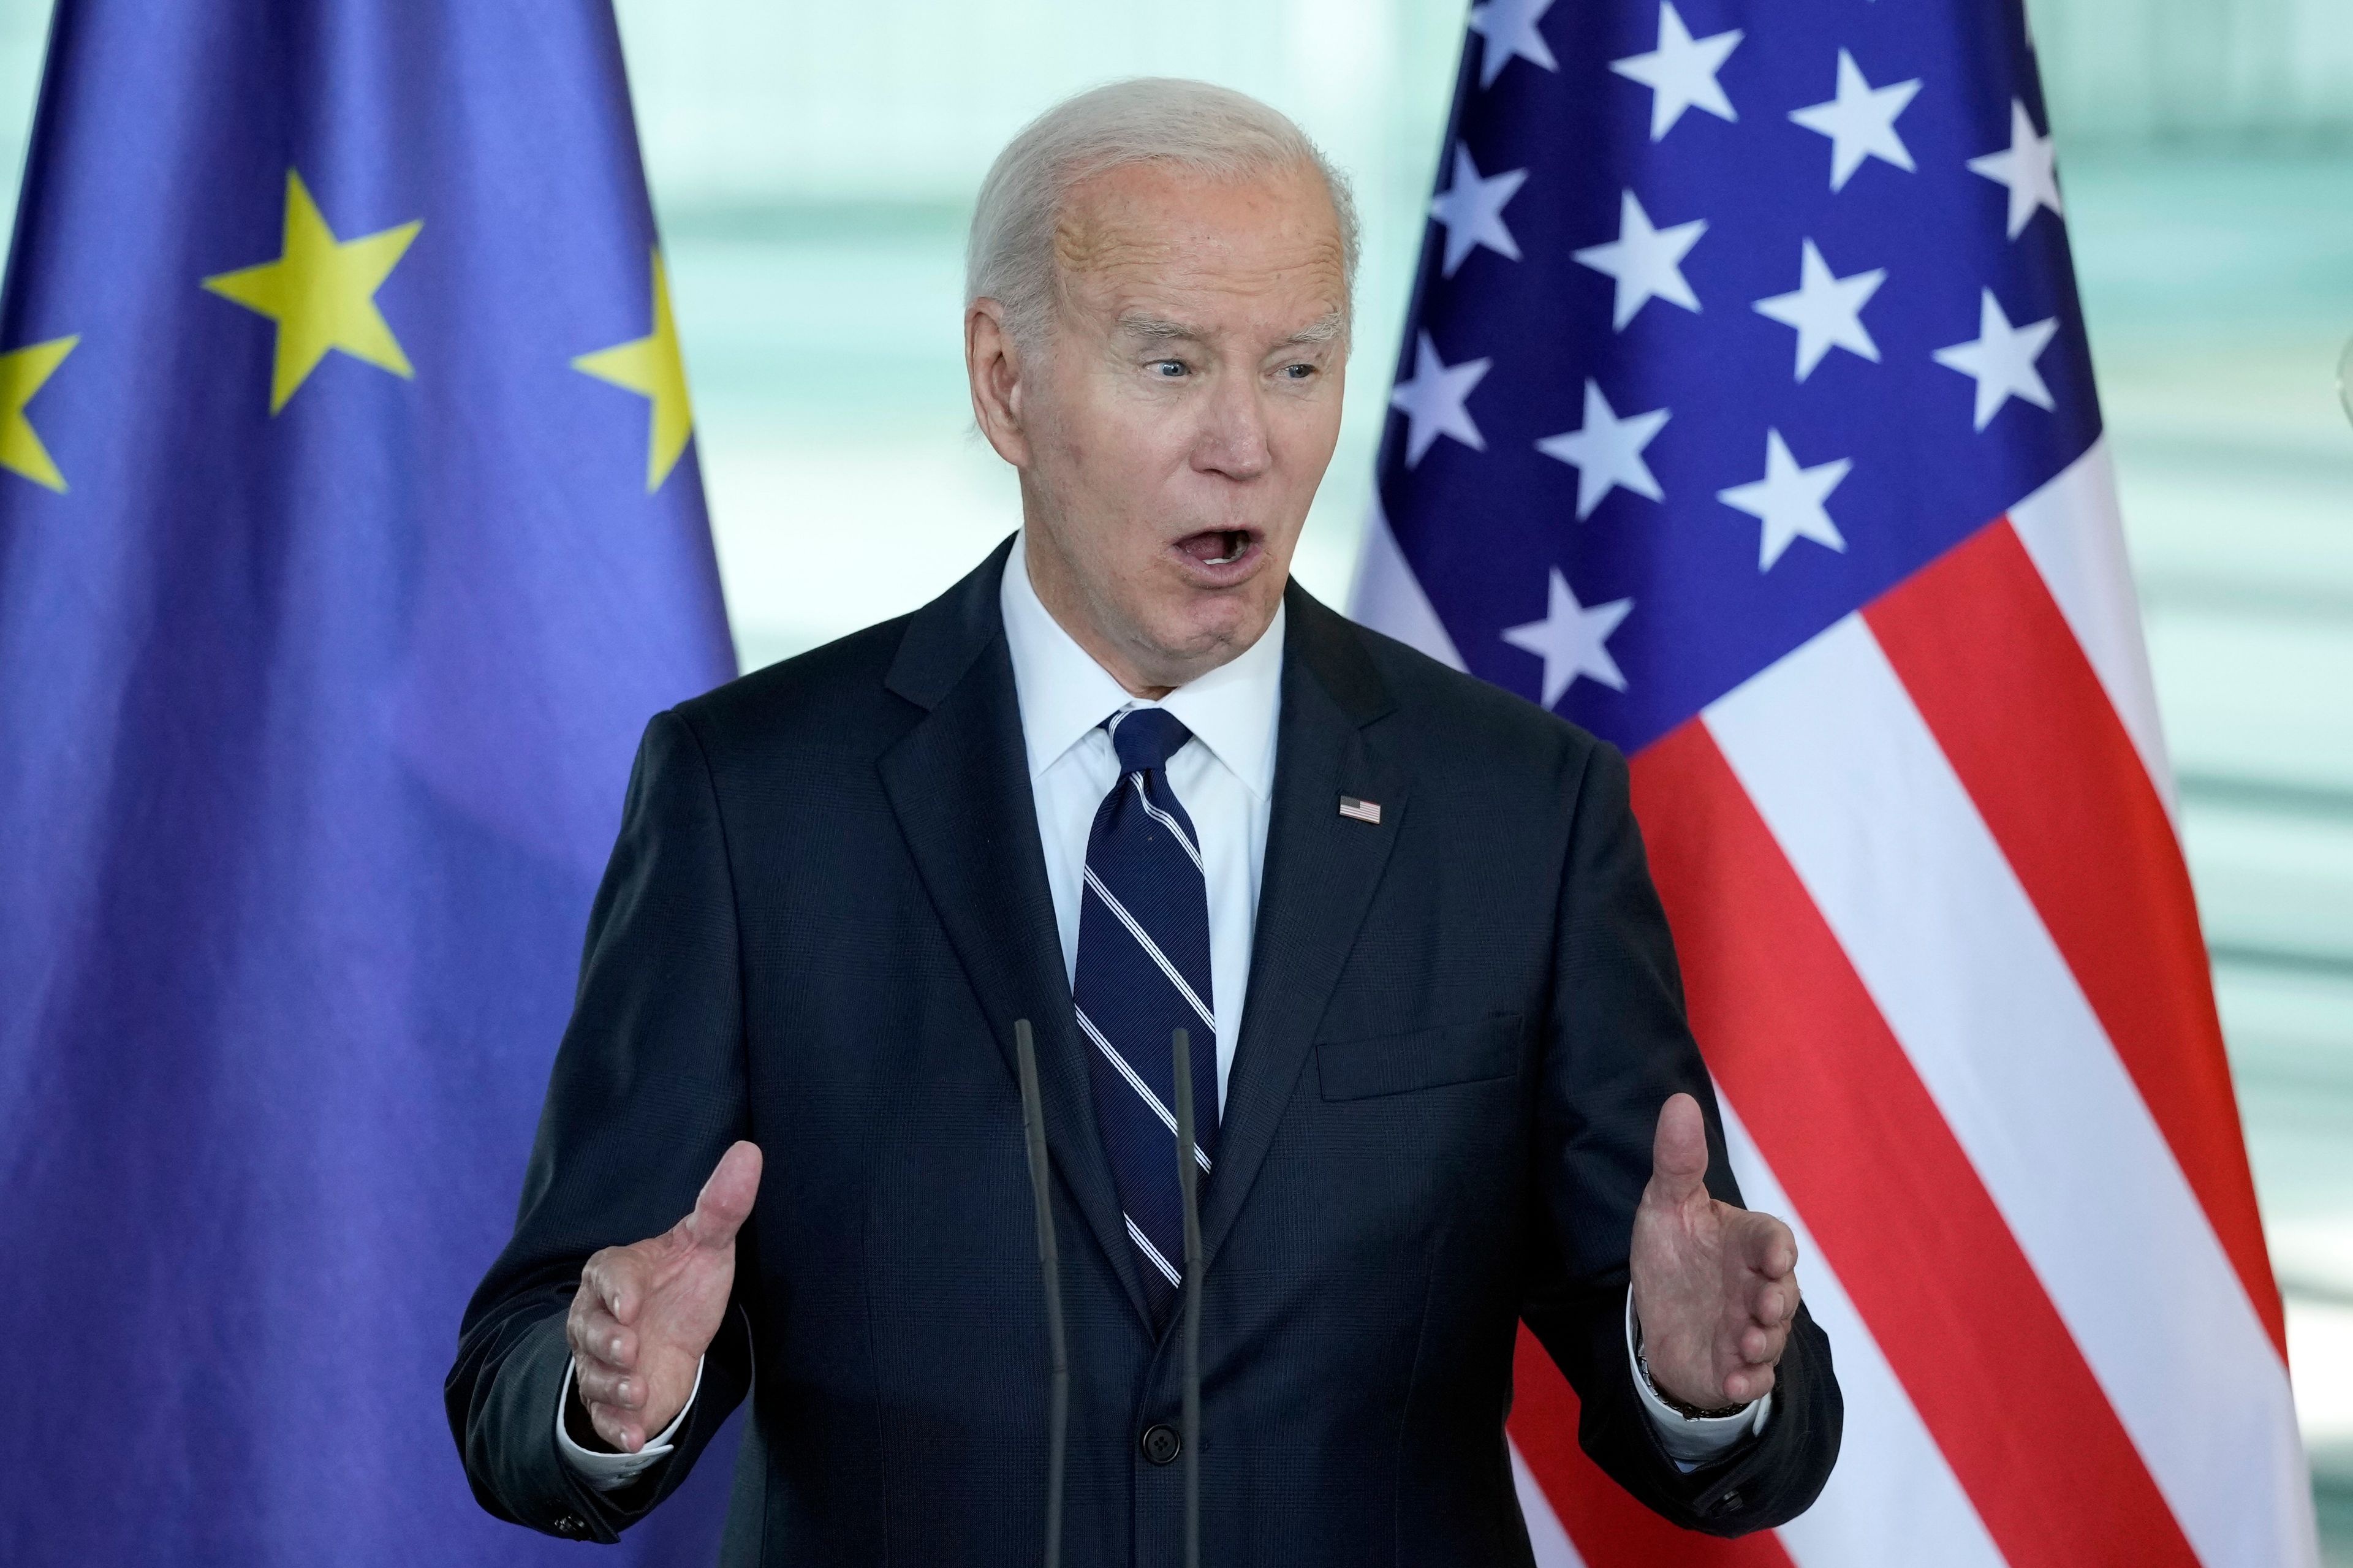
(1892, 1498)
(1545, 1534)
(1388, 598)
(1135, 1233)
(1150, 946)
(1167, 822)
(1167, 1117)
(1843, 769)
(2075, 535)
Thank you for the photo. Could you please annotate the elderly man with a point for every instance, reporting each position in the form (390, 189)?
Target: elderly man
(1126, 778)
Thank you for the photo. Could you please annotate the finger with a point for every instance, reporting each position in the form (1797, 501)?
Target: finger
(725, 1201)
(1769, 1246)
(614, 1279)
(1760, 1346)
(600, 1385)
(619, 1430)
(1679, 1149)
(1775, 1303)
(597, 1339)
(1747, 1383)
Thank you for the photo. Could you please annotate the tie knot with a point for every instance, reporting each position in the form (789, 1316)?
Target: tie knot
(1146, 738)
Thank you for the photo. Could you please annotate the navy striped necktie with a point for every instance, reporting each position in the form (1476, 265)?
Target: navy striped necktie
(1143, 973)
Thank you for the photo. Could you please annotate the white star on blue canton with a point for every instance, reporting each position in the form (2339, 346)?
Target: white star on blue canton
(1472, 211)
(1859, 121)
(1509, 28)
(1432, 402)
(1788, 501)
(1647, 262)
(1571, 639)
(2002, 359)
(1607, 452)
(1680, 73)
(1826, 310)
(2027, 167)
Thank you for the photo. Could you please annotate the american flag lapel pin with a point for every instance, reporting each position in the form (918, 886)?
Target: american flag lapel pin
(1360, 810)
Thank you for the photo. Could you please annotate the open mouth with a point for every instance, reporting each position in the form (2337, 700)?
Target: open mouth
(1218, 546)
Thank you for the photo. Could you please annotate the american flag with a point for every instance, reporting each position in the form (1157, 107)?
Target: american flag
(1745, 417)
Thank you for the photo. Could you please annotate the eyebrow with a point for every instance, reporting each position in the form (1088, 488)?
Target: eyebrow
(1154, 329)
(1329, 328)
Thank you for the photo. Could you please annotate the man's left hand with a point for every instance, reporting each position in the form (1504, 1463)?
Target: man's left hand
(1715, 1286)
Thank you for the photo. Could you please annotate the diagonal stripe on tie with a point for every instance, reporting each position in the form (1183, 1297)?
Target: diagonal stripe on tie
(1152, 1254)
(1167, 1117)
(1152, 948)
(1167, 821)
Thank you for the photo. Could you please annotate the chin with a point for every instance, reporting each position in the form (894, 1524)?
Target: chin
(1221, 625)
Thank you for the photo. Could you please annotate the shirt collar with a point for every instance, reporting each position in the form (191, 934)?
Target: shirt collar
(1064, 693)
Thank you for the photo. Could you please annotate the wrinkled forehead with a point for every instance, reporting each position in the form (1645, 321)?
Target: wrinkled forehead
(1237, 254)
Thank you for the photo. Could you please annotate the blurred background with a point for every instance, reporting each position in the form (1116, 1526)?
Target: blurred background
(814, 165)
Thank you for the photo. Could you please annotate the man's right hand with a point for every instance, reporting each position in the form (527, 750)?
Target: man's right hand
(645, 1313)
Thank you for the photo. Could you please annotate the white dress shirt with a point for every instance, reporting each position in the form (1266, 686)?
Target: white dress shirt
(1224, 777)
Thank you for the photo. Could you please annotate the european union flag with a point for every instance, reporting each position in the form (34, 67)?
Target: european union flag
(349, 534)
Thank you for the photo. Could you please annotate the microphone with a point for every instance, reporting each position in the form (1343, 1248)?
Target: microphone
(1049, 1266)
(1187, 1178)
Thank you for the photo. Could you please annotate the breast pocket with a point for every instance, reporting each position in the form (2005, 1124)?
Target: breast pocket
(1425, 1058)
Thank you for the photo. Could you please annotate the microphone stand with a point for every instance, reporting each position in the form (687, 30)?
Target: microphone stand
(1050, 1265)
(1188, 1178)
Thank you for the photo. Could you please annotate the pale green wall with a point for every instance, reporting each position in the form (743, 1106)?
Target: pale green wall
(2197, 71)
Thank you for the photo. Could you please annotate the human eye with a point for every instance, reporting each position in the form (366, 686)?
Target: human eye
(1170, 369)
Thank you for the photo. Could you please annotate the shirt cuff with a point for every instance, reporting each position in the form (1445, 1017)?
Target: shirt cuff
(611, 1472)
(1692, 1440)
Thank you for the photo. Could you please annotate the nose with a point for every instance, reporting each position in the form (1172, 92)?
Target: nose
(1234, 438)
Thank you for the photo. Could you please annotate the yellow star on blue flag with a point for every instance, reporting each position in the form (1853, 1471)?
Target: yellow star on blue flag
(652, 367)
(321, 293)
(21, 373)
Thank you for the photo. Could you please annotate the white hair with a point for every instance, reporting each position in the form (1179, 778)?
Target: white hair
(1206, 129)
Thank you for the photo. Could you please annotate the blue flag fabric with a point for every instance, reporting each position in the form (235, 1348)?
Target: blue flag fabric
(349, 533)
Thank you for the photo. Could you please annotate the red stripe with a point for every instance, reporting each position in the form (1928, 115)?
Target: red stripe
(1840, 1116)
(1608, 1527)
(1995, 669)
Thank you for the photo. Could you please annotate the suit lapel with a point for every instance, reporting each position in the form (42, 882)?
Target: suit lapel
(1321, 871)
(959, 782)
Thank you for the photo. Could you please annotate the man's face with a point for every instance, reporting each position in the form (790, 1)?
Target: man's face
(1173, 430)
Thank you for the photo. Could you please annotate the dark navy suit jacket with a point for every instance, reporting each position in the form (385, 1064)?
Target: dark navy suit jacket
(827, 907)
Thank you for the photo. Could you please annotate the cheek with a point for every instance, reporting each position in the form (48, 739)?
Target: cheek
(1139, 456)
(1107, 436)
(1117, 474)
(1305, 435)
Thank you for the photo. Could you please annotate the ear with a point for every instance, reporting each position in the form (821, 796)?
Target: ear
(992, 363)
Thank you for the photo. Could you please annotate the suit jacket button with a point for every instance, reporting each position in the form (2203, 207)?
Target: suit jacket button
(570, 1524)
(1161, 1442)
